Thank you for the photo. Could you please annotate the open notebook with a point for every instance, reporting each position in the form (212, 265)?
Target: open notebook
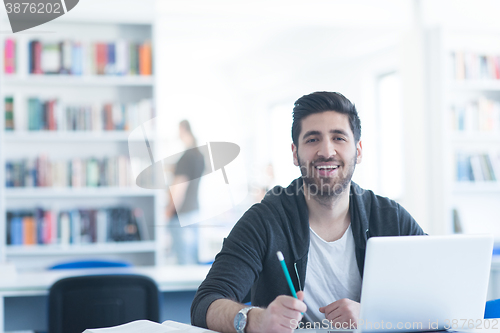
(141, 326)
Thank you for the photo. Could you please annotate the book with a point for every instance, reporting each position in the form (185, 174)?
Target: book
(66, 57)
(10, 56)
(35, 58)
(140, 326)
(101, 58)
(51, 58)
(16, 230)
(463, 172)
(121, 57)
(457, 224)
(29, 230)
(64, 228)
(145, 58)
(9, 113)
(77, 59)
(110, 66)
(487, 167)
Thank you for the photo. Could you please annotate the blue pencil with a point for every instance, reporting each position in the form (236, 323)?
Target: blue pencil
(281, 258)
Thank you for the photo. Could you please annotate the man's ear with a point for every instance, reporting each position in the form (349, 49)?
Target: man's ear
(295, 159)
(359, 152)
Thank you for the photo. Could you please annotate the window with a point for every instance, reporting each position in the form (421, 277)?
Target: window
(390, 136)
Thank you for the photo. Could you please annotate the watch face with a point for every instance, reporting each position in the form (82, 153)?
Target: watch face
(240, 321)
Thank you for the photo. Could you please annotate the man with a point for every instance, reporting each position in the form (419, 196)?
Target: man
(321, 223)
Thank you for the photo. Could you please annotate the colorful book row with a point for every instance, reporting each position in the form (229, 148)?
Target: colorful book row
(475, 66)
(77, 58)
(90, 172)
(53, 115)
(76, 226)
(120, 57)
(477, 167)
(479, 115)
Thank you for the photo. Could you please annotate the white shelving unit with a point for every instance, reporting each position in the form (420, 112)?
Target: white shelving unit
(83, 192)
(71, 144)
(76, 136)
(85, 80)
(111, 248)
(475, 201)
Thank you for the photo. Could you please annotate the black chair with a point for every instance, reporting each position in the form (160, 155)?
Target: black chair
(94, 301)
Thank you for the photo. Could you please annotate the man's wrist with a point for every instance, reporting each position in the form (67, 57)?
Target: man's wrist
(254, 320)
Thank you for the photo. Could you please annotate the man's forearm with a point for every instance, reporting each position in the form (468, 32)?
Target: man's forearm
(221, 313)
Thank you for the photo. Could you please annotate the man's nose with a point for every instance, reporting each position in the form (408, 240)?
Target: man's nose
(327, 149)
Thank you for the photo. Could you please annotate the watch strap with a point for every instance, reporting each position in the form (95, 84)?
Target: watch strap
(244, 312)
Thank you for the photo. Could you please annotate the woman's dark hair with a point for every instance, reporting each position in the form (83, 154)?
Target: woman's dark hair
(322, 101)
(187, 127)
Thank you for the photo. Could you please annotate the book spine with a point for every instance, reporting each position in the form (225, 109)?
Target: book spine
(17, 236)
(64, 228)
(66, 57)
(31, 56)
(76, 227)
(76, 173)
(29, 230)
(40, 225)
(9, 113)
(108, 118)
(10, 56)
(132, 57)
(121, 57)
(48, 228)
(102, 58)
(9, 174)
(102, 226)
(110, 59)
(37, 57)
(145, 58)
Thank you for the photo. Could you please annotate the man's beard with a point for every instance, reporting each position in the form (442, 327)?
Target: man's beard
(326, 189)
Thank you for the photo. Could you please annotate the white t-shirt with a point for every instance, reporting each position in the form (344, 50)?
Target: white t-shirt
(332, 273)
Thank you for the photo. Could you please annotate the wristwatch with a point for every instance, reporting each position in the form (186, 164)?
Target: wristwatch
(240, 321)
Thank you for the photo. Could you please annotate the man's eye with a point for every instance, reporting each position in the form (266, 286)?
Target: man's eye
(339, 139)
(311, 140)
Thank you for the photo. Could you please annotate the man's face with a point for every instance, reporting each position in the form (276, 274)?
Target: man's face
(327, 153)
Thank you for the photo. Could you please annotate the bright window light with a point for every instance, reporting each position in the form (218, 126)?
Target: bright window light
(390, 133)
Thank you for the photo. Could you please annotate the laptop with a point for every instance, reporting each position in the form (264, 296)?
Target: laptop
(423, 283)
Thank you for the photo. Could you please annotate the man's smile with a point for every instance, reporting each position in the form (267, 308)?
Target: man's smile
(326, 170)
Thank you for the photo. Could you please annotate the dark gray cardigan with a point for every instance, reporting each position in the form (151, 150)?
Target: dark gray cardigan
(281, 223)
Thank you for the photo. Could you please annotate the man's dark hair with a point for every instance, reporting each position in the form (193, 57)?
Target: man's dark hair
(322, 101)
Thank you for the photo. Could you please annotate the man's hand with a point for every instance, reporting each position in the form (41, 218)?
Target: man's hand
(342, 311)
(282, 315)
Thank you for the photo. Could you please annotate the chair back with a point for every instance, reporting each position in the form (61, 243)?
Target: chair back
(95, 301)
(492, 309)
(95, 263)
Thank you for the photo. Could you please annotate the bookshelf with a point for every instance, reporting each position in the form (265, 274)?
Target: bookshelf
(99, 74)
(464, 103)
